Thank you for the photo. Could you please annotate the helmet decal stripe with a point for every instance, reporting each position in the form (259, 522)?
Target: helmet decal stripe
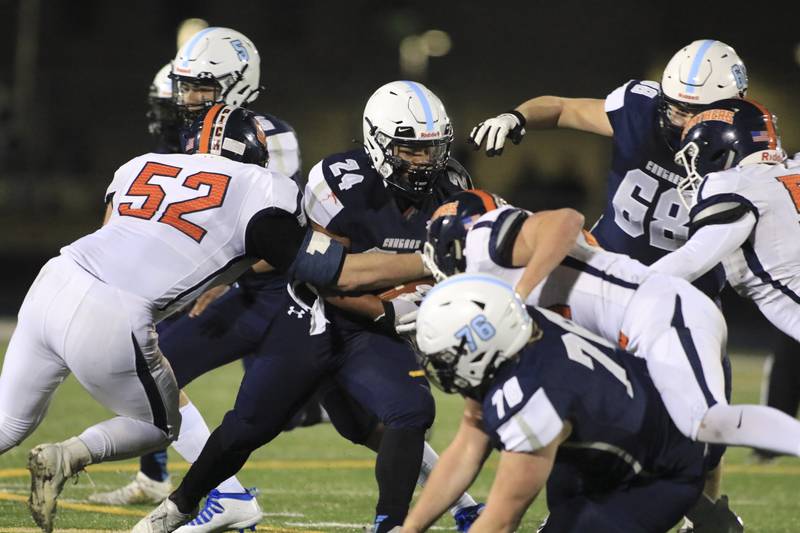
(208, 125)
(192, 43)
(488, 201)
(471, 277)
(426, 106)
(771, 132)
(696, 62)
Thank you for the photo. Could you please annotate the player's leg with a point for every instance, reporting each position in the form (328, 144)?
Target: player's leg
(781, 387)
(273, 388)
(681, 334)
(383, 373)
(229, 328)
(31, 370)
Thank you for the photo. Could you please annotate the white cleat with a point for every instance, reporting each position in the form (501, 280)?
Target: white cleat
(226, 511)
(163, 519)
(51, 465)
(141, 490)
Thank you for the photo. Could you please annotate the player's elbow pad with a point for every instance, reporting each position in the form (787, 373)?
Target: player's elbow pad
(319, 260)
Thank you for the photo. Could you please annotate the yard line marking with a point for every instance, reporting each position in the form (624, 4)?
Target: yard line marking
(287, 464)
(105, 509)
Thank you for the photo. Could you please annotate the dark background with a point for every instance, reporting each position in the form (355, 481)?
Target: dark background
(74, 79)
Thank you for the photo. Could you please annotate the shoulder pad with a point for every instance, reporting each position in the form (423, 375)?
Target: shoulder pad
(273, 125)
(458, 175)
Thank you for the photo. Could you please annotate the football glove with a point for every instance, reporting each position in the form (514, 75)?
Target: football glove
(400, 314)
(495, 130)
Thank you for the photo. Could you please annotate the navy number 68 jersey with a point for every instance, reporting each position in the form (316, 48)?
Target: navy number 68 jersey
(644, 217)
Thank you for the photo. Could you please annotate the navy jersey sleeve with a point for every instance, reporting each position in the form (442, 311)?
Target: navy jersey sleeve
(625, 107)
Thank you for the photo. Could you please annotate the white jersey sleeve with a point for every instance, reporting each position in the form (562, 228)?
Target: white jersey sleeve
(533, 427)
(179, 224)
(282, 145)
(320, 202)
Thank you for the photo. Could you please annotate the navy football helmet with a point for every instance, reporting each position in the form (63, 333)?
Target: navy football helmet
(725, 134)
(231, 132)
(443, 252)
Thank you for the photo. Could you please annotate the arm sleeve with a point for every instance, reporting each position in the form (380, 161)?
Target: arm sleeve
(275, 236)
(284, 150)
(708, 246)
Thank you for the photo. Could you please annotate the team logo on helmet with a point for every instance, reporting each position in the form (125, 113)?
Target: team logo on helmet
(720, 115)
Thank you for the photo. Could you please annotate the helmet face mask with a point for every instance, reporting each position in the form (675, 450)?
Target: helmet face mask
(467, 327)
(722, 135)
(407, 135)
(217, 65)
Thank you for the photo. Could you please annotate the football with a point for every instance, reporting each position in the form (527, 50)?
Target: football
(405, 288)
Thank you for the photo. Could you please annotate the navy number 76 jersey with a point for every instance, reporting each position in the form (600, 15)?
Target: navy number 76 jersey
(620, 427)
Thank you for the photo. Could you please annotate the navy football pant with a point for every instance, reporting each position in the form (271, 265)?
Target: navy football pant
(377, 371)
(645, 506)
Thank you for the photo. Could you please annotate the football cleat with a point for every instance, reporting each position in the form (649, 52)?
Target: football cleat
(51, 465)
(466, 517)
(163, 519)
(225, 511)
(708, 517)
(141, 490)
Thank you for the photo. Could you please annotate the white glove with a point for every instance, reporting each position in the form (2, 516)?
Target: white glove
(511, 125)
(400, 314)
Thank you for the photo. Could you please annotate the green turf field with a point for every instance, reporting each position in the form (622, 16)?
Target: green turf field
(312, 480)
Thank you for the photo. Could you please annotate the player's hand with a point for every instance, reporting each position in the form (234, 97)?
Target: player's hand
(495, 130)
(400, 314)
(206, 298)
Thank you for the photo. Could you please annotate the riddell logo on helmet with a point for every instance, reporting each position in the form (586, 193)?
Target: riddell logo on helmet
(771, 156)
(426, 135)
(183, 70)
(689, 96)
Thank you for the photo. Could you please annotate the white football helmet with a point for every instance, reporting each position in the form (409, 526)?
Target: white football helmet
(467, 327)
(407, 134)
(223, 61)
(703, 72)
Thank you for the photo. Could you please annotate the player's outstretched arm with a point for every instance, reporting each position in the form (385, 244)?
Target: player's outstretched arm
(542, 112)
(706, 248)
(376, 270)
(519, 479)
(453, 474)
(542, 243)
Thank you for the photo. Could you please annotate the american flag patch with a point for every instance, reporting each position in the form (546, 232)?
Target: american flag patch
(760, 136)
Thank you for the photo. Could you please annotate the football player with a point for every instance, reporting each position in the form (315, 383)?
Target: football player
(176, 225)
(215, 65)
(374, 198)
(644, 217)
(566, 410)
(746, 197)
(679, 331)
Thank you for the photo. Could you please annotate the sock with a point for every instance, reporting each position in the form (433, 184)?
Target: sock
(396, 470)
(193, 435)
(154, 465)
(79, 455)
(756, 426)
(429, 460)
(215, 463)
(122, 438)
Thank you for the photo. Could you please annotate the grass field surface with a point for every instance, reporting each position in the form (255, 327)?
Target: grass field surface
(311, 480)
